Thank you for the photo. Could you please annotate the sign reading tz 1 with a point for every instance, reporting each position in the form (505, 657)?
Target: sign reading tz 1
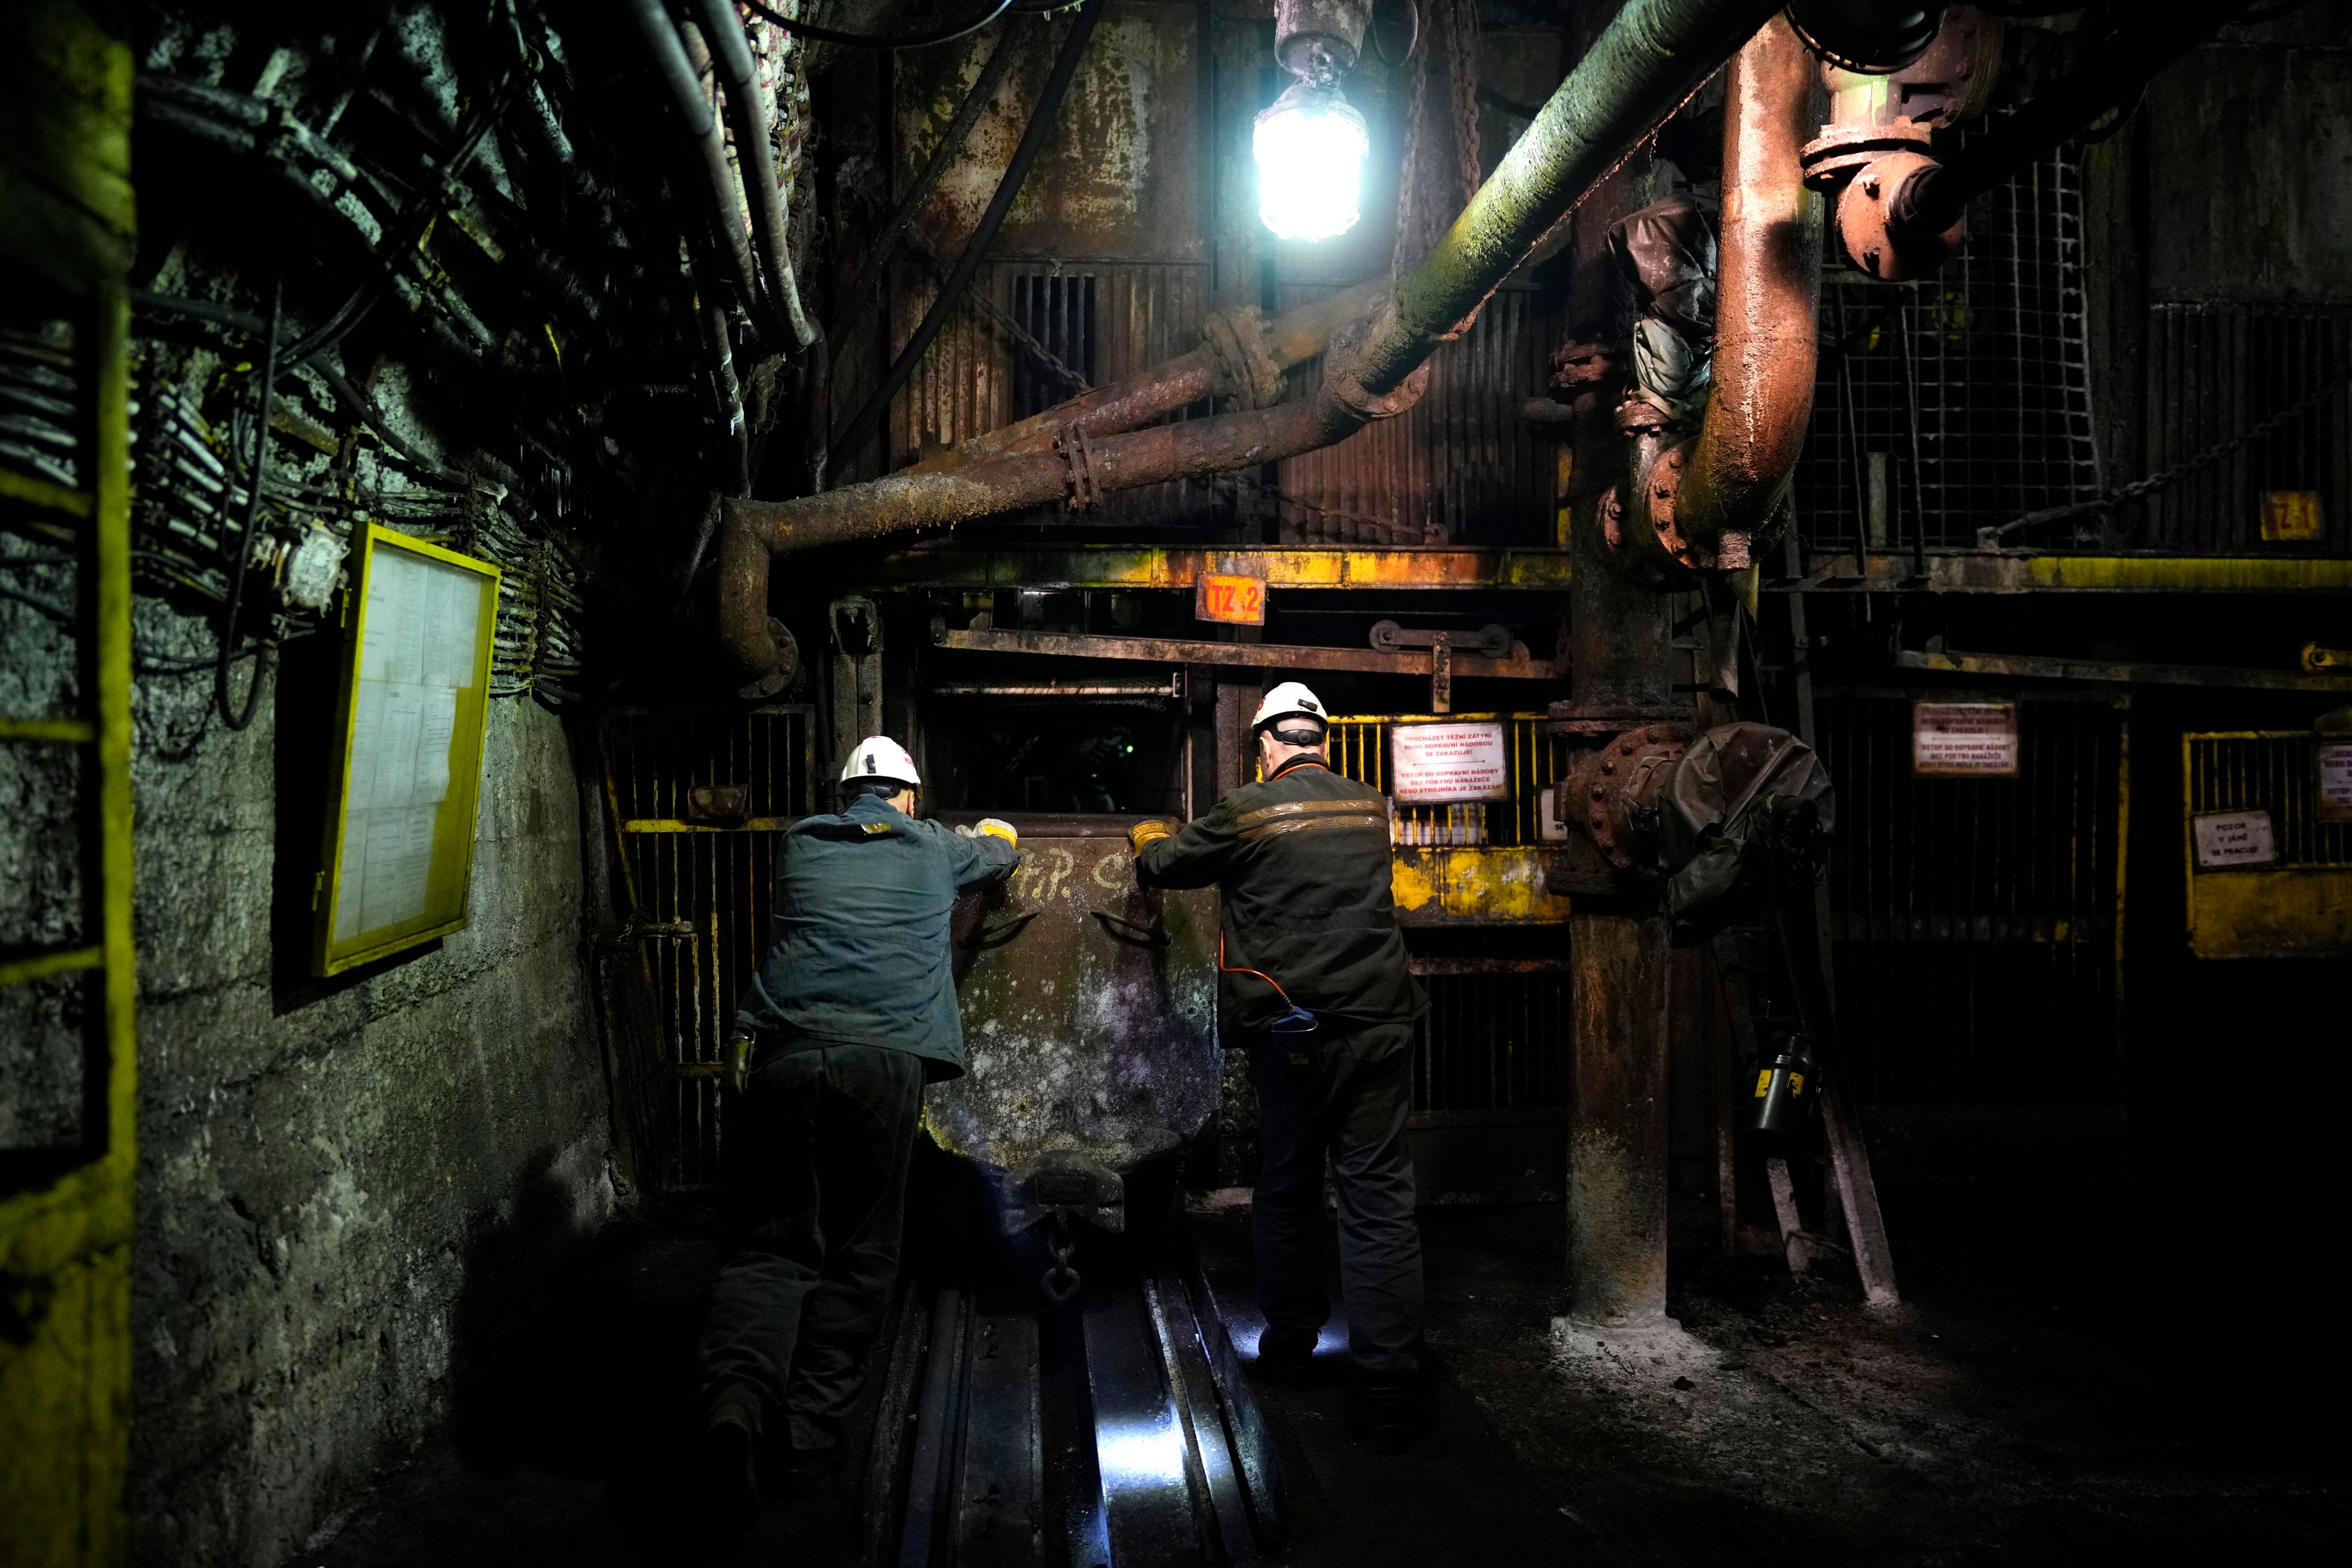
(1229, 597)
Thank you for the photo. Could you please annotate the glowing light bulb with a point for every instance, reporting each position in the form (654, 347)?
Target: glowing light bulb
(1310, 145)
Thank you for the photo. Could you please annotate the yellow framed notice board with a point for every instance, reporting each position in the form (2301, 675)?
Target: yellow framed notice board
(399, 851)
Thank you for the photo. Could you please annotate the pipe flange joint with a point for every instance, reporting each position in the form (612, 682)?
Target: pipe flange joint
(1080, 486)
(1245, 371)
(1874, 225)
(1832, 158)
(787, 665)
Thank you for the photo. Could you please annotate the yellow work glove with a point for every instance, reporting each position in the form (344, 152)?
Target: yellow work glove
(740, 1049)
(997, 827)
(1144, 833)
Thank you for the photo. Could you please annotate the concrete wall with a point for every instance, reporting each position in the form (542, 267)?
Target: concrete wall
(347, 1191)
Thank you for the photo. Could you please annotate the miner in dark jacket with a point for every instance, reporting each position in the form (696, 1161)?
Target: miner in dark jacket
(1316, 982)
(852, 1011)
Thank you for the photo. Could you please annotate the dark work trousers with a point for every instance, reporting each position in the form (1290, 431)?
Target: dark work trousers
(1347, 1101)
(826, 1135)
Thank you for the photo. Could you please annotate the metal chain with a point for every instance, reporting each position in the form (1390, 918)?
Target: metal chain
(1462, 73)
(997, 316)
(2108, 500)
(1061, 1282)
(1408, 236)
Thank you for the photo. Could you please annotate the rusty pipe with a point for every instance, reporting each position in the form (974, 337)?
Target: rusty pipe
(1648, 60)
(1216, 368)
(1767, 304)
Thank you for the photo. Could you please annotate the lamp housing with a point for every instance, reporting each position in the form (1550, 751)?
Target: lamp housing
(1310, 144)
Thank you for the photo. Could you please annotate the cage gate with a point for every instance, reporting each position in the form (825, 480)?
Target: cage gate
(698, 801)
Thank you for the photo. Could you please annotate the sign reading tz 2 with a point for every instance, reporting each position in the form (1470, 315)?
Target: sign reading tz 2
(1229, 597)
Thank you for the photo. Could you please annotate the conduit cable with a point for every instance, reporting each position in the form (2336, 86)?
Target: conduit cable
(975, 250)
(946, 33)
(236, 718)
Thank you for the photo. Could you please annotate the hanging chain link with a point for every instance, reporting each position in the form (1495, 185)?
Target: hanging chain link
(1414, 69)
(1462, 78)
(1061, 1282)
(2108, 500)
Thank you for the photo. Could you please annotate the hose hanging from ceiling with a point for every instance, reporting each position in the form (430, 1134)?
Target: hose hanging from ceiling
(946, 33)
(234, 717)
(723, 26)
(1041, 120)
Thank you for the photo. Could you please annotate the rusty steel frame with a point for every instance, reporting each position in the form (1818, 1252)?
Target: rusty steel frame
(1140, 566)
(1642, 67)
(1517, 666)
(2026, 571)
(2025, 666)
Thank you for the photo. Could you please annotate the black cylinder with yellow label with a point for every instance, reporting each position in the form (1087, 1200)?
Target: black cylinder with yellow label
(1786, 1085)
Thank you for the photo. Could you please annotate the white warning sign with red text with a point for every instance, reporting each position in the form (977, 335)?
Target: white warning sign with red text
(1964, 739)
(1430, 764)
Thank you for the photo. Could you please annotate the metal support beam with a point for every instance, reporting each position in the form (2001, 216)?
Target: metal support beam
(1617, 1132)
(1977, 572)
(2029, 667)
(1137, 566)
(1519, 666)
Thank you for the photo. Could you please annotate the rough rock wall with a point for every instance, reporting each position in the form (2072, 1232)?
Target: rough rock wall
(347, 1191)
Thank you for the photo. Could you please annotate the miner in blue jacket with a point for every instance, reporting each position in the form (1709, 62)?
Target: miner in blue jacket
(852, 1011)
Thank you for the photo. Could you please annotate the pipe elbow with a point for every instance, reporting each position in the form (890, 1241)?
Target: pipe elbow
(1726, 487)
(764, 650)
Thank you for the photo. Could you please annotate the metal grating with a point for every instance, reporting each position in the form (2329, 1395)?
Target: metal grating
(1459, 464)
(1129, 316)
(2215, 372)
(2274, 771)
(1058, 312)
(1493, 1040)
(1989, 357)
(1975, 922)
(700, 895)
(1359, 750)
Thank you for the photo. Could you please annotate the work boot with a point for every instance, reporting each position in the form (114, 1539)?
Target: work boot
(731, 1487)
(809, 1471)
(1384, 1407)
(1286, 1357)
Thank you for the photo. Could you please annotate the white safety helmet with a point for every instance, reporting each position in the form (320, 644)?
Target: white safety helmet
(880, 757)
(1289, 700)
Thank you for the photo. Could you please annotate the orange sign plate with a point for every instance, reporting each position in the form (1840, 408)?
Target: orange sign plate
(1231, 597)
(2290, 515)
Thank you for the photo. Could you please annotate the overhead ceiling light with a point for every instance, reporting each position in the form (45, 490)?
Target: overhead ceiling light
(1310, 145)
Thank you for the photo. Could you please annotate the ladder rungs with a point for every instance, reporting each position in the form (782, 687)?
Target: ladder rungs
(24, 487)
(56, 961)
(72, 731)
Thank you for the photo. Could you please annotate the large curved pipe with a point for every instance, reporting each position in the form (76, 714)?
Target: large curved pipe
(1767, 304)
(723, 26)
(1222, 366)
(1643, 65)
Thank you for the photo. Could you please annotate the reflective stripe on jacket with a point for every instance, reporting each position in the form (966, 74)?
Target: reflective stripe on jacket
(1302, 861)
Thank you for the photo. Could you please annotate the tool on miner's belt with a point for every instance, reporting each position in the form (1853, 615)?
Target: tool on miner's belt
(1785, 1086)
(740, 1048)
(1298, 1021)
